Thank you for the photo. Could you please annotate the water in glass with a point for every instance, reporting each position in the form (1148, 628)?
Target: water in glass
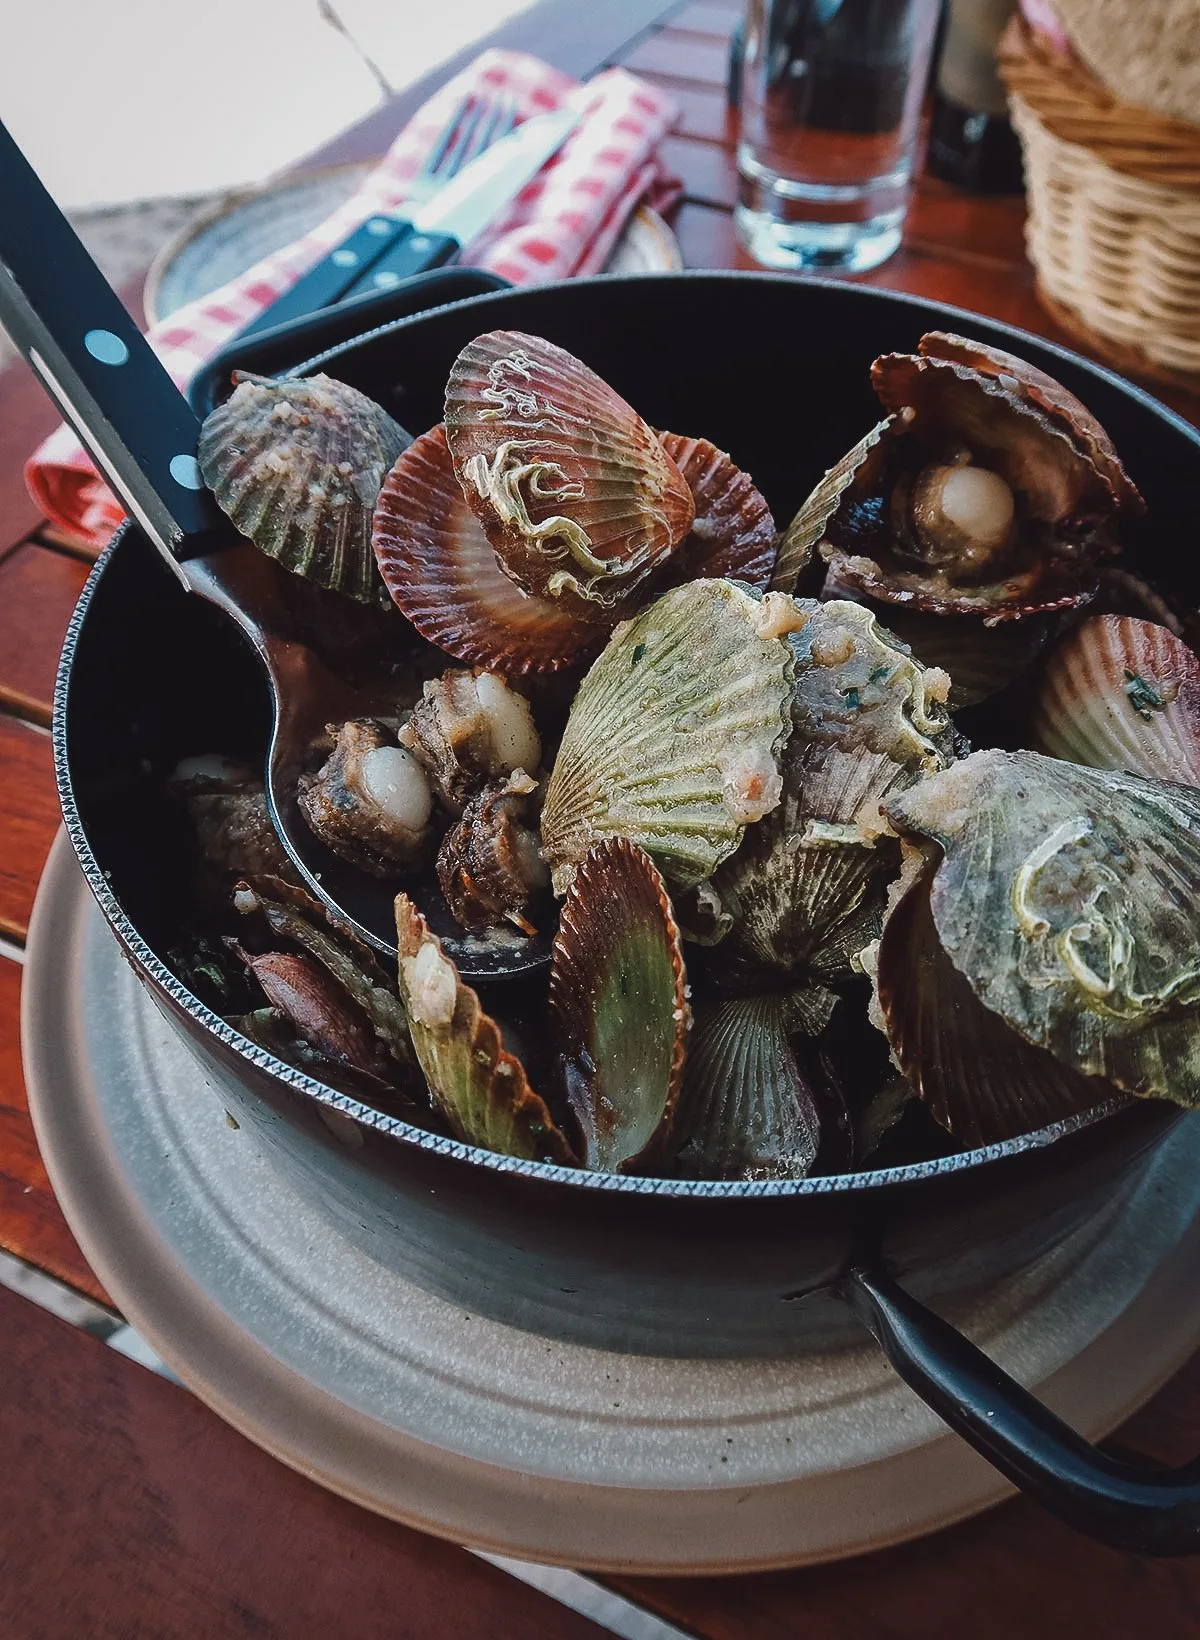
(831, 95)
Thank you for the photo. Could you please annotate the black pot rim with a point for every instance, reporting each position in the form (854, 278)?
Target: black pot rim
(393, 1127)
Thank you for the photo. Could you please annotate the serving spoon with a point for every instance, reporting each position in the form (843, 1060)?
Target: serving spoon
(70, 325)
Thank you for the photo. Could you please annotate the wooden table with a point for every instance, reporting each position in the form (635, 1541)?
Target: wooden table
(128, 1508)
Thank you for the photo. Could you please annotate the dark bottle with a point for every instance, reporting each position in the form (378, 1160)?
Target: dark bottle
(971, 142)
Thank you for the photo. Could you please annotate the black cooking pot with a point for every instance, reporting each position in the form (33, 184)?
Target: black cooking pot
(776, 371)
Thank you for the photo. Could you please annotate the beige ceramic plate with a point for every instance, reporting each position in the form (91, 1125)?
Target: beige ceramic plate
(229, 239)
(505, 1440)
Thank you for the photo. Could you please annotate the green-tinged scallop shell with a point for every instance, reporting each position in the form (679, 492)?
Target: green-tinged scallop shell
(1119, 693)
(980, 1079)
(579, 499)
(806, 888)
(674, 736)
(479, 1087)
(1069, 899)
(297, 467)
(857, 686)
(746, 1111)
(618, 1006)
(797, 545)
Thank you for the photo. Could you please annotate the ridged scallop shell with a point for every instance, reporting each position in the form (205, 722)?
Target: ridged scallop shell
(733, 535)
(980, 1079)
(618, 1007)
(1059, 406)
(1066, 504)
(746, 1111)
(1069, 899)
(577, 496)
(798, 543)
(857, 686)
(480, 1088)
(806, 888)
(297, 466)
(1120, 693)
(440, 569)
(674, 736)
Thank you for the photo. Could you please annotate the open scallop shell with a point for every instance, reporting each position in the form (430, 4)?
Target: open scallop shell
(1120, 693)
(1036, 388)
(297, 466)
(1062, 482)
(746, 1111)
(479, 1087)
(862, 465)
(674, 736)
(439, 567)
(618, 1003)
(980, 1079)
(806, 889)
(577, 496)
(1067, 898)
(733, 535)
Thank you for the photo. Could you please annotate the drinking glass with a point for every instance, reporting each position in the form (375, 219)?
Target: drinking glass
(831, 95)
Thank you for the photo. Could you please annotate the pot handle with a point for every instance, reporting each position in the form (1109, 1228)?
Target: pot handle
(1139, 1509)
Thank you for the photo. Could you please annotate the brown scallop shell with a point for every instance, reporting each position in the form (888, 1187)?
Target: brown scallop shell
(1119, 693)
(578, 497)
(863, 466)
(440, 569)
(981, 1080)
(941, 407)
(1047, 395)
(618, 1005)
(733, 535)
(479, 1087)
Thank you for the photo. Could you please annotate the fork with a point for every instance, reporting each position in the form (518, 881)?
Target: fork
(473, 124)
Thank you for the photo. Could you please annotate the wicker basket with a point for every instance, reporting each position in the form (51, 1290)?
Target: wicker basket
(1114, 211)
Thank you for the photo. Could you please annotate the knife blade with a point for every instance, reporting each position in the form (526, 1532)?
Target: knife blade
(460, 211)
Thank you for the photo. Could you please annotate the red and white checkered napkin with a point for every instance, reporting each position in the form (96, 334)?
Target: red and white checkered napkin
(565, 222)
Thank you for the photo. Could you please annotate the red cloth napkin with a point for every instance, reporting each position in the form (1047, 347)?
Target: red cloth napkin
(565, 222)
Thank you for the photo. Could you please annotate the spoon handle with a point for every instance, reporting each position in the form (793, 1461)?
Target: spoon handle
(95, 364)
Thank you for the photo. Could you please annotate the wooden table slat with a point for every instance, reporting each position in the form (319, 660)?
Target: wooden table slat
(29, 818)
(39, 588)
(681, 56)
(132, 1512)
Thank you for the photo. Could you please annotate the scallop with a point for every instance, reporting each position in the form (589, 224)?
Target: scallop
(618, 1008)
(470, 728)
(439, 567)
(480, 1088)
(576, 494)
(674, 737)
(370, 801)
(733, 536)
(297, 466)
(1119, 693)
(1068, 899)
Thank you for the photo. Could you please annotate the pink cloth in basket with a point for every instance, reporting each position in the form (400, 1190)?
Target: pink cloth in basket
(565, 222)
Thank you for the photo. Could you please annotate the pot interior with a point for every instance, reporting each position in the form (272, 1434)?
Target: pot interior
(774, 370)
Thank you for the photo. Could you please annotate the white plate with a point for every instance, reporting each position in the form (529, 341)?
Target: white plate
(505, 1440)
